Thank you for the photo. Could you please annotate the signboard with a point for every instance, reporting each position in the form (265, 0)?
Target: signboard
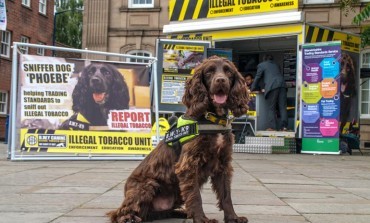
(350, 42)
(321, 97)
(2, 15)
(200, 9)
(176, 62)
(82, 106)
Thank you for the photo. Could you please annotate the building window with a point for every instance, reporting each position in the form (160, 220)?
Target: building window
(3, 102)
(318, 1)
(24, 49)
(5, 43)
(26, 3)
(140, 3)
(41, 51)
(138, 53)
(42, 6)
(365, 88)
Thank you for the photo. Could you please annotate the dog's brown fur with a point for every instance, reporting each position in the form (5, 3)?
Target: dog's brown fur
(165, 181)
(347, 89)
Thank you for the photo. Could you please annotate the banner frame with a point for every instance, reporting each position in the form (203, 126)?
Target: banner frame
(14, 135)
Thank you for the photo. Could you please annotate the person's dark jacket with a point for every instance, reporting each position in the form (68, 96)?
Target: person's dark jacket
(268, 72)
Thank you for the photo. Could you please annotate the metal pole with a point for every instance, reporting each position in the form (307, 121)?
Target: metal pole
(13, 103)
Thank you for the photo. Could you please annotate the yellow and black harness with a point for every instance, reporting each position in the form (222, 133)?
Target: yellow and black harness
(186, 129)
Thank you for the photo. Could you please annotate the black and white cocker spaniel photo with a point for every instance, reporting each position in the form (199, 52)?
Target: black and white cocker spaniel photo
(100, 88)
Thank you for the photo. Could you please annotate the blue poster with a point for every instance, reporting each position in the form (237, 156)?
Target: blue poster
(320, 98)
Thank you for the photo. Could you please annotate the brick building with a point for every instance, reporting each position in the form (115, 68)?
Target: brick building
(28, 21)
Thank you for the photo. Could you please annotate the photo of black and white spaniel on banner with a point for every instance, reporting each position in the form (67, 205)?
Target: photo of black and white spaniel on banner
(100, 88)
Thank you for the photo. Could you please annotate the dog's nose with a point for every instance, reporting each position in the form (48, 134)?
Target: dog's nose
(95, 80)
(220, 80)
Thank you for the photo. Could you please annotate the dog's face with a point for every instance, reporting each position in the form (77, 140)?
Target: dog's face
(218, 78)
(100, 79)
(216, 84)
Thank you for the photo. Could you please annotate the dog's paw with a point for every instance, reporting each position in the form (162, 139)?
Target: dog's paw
(205, 220)
(129, 218)
(237, 220)
(211, 221)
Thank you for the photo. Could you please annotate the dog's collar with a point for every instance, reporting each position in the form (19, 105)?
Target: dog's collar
(186, 129)
(219, 120)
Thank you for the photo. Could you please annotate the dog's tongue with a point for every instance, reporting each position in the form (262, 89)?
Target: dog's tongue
(220, 98)
(99, 97)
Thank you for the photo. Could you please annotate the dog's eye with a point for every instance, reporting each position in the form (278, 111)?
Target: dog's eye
(92, 71)
(105, 71)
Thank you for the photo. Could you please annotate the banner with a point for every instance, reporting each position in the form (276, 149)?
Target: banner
(200, 9)
(321, 97)
(82, 106)
(2, 15)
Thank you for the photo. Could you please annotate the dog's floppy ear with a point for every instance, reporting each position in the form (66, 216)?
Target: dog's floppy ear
(239, 97)
(196, 96)
(119, 94)
(80, 96)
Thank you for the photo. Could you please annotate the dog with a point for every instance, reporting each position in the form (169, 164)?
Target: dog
(172, 175)
(347, 87)
(100, 88)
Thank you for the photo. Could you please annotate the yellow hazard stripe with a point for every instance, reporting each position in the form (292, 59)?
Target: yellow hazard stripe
(315, 34)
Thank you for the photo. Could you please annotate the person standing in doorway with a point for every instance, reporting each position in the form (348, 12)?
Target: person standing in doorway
(252, 96)
(275, 91)
(249, 79)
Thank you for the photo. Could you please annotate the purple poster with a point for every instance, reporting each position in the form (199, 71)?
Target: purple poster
(320, 100)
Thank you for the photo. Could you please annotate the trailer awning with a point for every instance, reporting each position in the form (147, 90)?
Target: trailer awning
(234, 22)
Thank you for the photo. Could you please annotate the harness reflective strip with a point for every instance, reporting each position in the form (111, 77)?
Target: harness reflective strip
(213, 127)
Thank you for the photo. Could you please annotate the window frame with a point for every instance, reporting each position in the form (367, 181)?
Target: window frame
(131, 4)
(26, 3)
(7, 55)
(135, 53)
(24, 48)
(5, 107)
(40, 51)
(44, 4)
(365, 81)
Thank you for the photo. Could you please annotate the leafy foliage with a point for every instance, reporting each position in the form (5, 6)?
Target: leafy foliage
(346, 6)
(68, 17)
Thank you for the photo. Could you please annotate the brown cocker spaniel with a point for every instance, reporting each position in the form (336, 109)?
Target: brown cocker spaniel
(171, 177)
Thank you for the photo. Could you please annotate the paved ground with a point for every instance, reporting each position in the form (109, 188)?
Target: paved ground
(266, 188)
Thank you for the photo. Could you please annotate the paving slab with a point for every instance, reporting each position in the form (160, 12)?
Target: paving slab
(266, 188)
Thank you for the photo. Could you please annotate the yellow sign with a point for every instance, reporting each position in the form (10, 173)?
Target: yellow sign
(62, 141)
(252, 32)
(198, 9)
(350, 42)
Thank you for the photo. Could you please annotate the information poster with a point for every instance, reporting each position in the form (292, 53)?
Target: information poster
(82, 106)
(177, 60)
(321, 97)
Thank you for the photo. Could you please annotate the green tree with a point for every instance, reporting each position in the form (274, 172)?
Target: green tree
(68, 24)
(347, 6)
